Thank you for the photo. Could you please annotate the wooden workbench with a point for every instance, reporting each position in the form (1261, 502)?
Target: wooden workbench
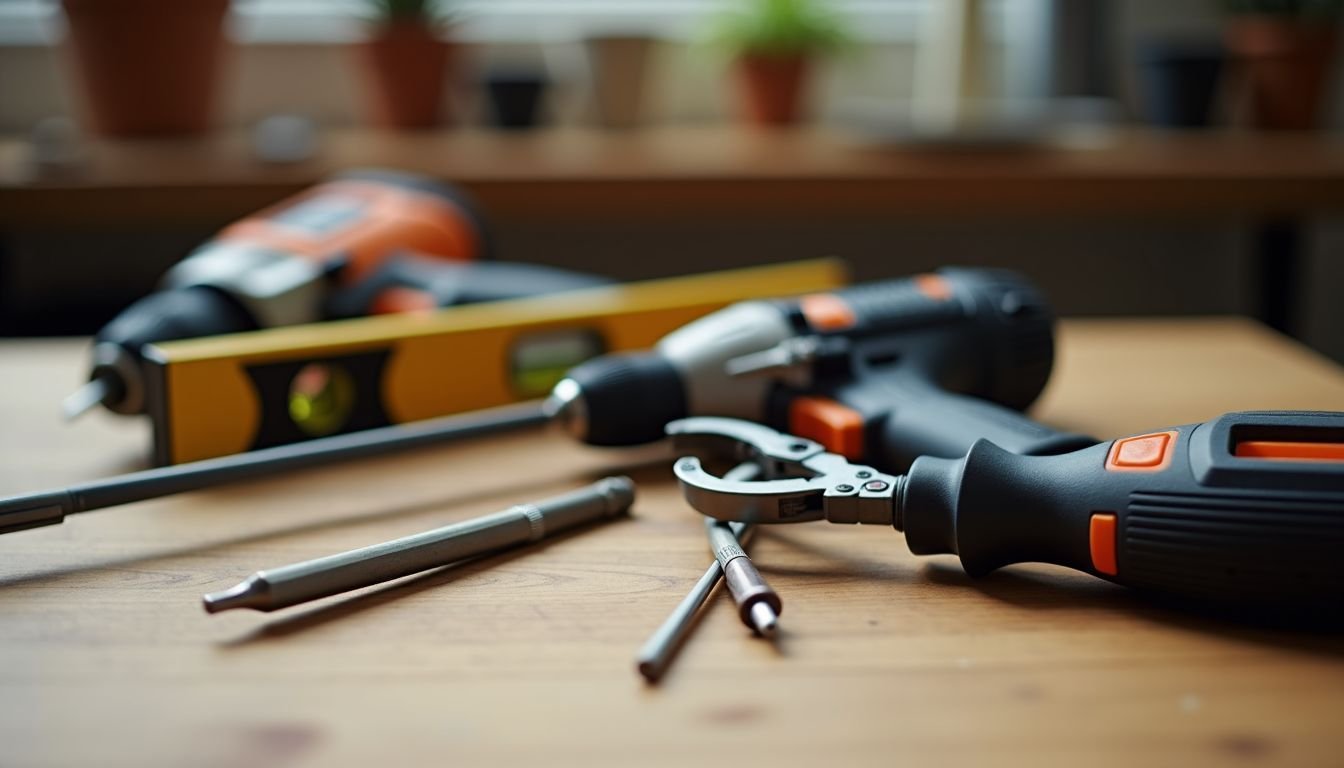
(106, 657)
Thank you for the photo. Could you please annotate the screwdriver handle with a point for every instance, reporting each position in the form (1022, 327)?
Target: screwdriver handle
(1249, 506)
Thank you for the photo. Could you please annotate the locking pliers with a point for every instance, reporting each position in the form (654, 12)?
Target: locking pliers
(803, 481)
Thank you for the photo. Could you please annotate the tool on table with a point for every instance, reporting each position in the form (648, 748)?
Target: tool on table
(414, 386)
(1247, 507)
(215, 396)
(289, 585)
(366, 242)
(657, 653)
(18, 513)
(890, 370)
(279, 267)
(757, 604)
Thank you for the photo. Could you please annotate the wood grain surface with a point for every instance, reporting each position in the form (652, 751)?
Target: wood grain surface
(526, 658)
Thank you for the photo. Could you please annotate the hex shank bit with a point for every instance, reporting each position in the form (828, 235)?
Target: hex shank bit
(293, 584)
(757, 604)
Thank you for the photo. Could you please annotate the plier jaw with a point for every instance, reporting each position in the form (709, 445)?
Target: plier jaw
(804, 482)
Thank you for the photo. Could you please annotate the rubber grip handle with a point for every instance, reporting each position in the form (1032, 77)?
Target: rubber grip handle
(1195, 521)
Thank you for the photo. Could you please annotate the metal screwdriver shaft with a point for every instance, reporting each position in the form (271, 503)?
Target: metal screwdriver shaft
(299, 583)
(661, 647)
(85, 398)
(50, 507)
(659, 650)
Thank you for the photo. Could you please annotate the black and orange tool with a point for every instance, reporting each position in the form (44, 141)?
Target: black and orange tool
(890, 370)
(366, 242)
(623, 317)
(1248, 507)
(286, 385)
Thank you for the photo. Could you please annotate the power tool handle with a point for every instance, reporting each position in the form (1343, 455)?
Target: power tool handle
(931, 422)
(1247, 507)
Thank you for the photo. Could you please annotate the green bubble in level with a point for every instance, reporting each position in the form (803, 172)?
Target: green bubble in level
(321, 397)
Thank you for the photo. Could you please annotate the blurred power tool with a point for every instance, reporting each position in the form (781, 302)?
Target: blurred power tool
(1247, 507)
(365, 242)
(891, 370)
(888, 370)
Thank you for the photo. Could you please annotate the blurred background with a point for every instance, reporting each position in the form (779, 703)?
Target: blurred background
(1132, 156)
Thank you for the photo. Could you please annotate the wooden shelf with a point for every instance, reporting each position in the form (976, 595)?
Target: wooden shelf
(707, 170)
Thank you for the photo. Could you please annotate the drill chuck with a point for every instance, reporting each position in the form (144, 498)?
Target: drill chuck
(619, 400)
(165, 316)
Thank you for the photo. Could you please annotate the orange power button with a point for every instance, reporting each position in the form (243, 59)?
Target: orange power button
(1142, 453)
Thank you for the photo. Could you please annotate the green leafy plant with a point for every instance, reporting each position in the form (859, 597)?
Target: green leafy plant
(780, 28)
(1305, 9)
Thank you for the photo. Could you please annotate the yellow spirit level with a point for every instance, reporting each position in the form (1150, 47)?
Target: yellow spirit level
(227, 394)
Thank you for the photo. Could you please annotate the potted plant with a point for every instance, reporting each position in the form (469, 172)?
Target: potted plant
(620, 65)
(1180, 79)
(1285, 50)
(516, 96)
(773, 43)
(148, 67)
(406, 61)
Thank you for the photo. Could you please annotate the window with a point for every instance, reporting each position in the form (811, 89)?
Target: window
(1021, 27)
(38, 21)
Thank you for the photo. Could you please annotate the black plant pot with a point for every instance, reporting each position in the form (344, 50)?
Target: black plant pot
(1180, 82)
(515, 98)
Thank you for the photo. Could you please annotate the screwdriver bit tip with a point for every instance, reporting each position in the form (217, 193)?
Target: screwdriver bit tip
(248, 594)
(764, 619)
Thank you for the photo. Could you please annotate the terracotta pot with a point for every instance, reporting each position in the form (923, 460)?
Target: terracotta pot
(147, 66)
(406, 71)
(1284, 65)
(773, 87)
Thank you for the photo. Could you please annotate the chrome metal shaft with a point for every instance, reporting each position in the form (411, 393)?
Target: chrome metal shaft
(299, 583)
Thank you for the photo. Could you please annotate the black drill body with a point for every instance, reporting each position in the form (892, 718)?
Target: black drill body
(932, 365)
(924, 366)
(365, 242)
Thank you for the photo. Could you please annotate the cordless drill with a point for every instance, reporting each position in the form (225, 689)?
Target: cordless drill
(888, 371)
(365, 242)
